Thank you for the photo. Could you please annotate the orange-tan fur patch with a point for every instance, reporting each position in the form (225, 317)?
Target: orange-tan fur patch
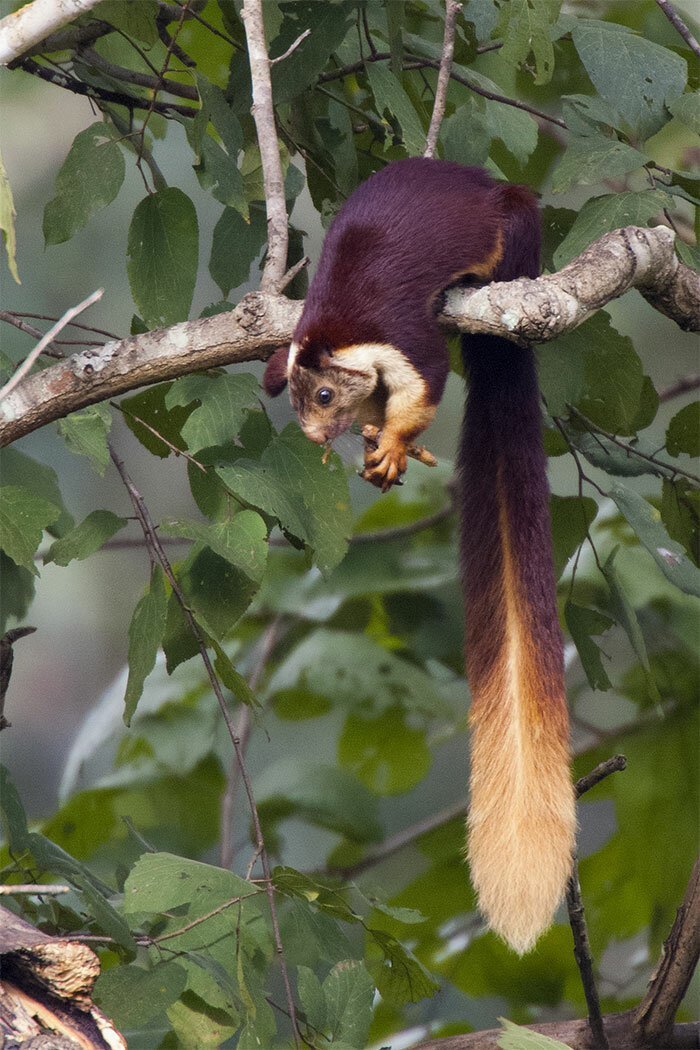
(522, 815)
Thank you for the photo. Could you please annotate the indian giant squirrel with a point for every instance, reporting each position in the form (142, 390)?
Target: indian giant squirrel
(368, 348)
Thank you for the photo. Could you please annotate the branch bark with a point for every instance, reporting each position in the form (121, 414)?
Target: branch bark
(452, 9)
(264, 116)
(574, 1034)
(25, 28)
(524, 311)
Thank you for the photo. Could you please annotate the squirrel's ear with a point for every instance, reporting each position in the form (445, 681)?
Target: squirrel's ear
(275, 378)
(314, 356)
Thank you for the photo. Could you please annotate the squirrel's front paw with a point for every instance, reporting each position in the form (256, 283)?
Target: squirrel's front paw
(384, 463)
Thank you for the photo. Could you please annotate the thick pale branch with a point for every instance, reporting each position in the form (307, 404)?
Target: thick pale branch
(535, 311)
(26, 27)
(264, 116)
(250, 332)
(524, 311)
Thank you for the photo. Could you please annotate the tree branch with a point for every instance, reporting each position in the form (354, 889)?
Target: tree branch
(679, 25)
(264, 116)
(679, 957)
(524, 311)
(452, 9)
(574, 1034)
(25, 28)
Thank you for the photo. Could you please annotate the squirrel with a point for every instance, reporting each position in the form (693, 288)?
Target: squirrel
(368, 348)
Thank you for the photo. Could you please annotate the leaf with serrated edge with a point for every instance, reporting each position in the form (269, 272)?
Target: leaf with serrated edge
(224, 403)
(86, 433)
(612, 211)
(90, 178)
(349, 992)
(23, 518)
(627, 617)
(7, 222)
(241, 540)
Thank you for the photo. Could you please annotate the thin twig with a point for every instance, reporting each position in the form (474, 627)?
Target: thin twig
(679, 25)
(156, 433)
(157, 551)
(29, 329)
(292, 47)
(203, 918)
(452, 9)
(684, 385)
(267, 643)
(264, 117)
(161, 78)
(577, 917)
(26, 365)
(400, 532)
(98, 94)
(133, 76)
(630, 449)
(71, 324)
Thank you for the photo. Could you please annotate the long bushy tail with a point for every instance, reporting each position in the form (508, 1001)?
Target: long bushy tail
(521, 818)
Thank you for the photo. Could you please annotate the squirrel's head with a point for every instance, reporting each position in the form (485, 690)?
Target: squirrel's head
(325, 395)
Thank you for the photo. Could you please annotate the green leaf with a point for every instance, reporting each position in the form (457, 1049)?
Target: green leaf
(686, 108)
(384, 752)
(610, 457)
(235, 247)
(635, 76)
(136, 18)
(353, 670)
(683, 434)
(90, 178)
(23, 518)
(216, 591)
(311, 997)
(241, 540)
(309, 498)
(161, 882)
(594, 159)
(16, 593)
(86, 538)
(401, 978)
(646, 522)
(329, 24)
(526, 28)
(583, 623)
(572, 516)
(133, 996)
(624, 613)
(17, 468)
(219, 173)
(151, 407)
(390, 96)
(145, 636)
(516, 1038)
(349, 992)
(320, 794)
(199, 1025)
(7, 222)
(86, 433)
(680, 511)
(232, 679)
(163, 251)
(609, 212)
(224, 402)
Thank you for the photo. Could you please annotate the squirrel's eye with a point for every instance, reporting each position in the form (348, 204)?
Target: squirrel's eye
(324, 396)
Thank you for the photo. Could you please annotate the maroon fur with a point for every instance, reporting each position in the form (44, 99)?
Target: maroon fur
(275, 377)
(402, 237)
(503, 429)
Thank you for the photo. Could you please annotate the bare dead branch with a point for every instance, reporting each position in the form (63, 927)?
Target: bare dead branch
(452, 9)
(264, 116)
(684, 385)
(45, 341)
(574, 1034)
(23, 326)
(292, 47)
(35, 888)
(134, 76)
(31, 23)
(524, 311)
(6, 661)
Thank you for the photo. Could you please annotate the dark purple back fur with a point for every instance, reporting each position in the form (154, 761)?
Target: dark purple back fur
(396, 242)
